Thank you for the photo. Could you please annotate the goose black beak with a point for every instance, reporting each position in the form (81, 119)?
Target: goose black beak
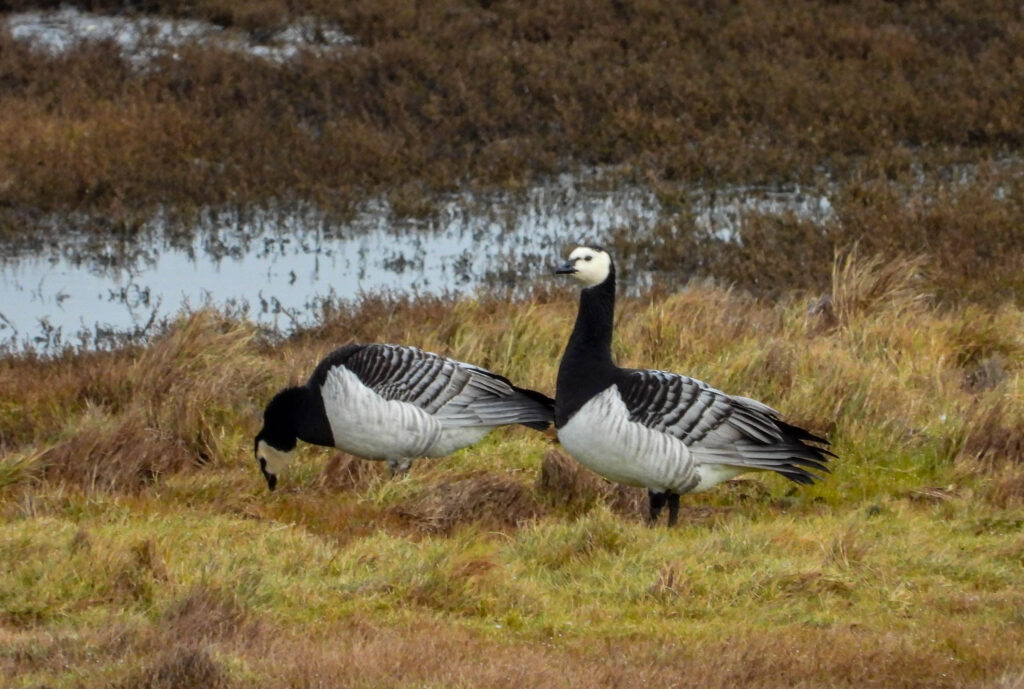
(271, 478)
(566, 268)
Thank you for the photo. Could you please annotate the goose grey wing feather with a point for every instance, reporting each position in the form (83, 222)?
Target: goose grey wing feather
(683, 407)
(456, 393)
(720, 428)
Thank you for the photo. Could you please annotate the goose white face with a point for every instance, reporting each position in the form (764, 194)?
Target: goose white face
(272, 461)
(588, 266)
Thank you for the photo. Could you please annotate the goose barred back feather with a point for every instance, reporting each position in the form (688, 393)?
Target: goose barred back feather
(459, 393)
(717, 426)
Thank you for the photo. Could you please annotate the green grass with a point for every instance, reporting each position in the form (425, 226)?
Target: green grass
(171, 565)
(942, 577)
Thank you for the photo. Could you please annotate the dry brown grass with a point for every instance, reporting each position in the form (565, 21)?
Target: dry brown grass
(360, 654)
(123, 456)
(206, 614)
(184, 386)
(485, 499)
(791, 657)
(41, 394)
(138, 413)
(994, 447)
(863, 286)
(996, 437)
(180, 668)
(347, 472)
(1007, 490)
(567, 484)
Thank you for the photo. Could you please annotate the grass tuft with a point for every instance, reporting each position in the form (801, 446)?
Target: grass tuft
(565, 483)
(861, 287)
(995, 437)
(347, 472)
(182, 667)
(206, 614)
(493, 499)
(123, 455)
(20, 468)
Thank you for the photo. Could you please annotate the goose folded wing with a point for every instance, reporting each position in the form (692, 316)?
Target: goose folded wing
(455, 393)
(719, 428)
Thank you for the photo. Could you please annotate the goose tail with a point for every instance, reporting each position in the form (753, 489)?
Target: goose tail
(541, 406)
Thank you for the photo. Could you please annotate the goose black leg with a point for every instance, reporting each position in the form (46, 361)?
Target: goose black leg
(657, 501)
(399, 466)
(673, 508)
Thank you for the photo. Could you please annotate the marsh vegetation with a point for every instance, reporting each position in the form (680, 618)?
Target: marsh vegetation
(904, 117)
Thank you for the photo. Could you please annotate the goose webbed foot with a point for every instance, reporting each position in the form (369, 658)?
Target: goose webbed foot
(658, 501)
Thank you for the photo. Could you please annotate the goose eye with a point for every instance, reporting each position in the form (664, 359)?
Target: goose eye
(587, 258)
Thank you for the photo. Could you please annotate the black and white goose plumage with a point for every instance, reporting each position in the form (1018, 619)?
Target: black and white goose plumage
(658, 430)
(394, 403)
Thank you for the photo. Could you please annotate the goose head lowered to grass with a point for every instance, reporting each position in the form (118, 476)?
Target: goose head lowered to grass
(662, 431)
(393, 403)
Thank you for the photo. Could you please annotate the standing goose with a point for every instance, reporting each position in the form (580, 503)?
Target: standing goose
(662, 431)
(394, 403)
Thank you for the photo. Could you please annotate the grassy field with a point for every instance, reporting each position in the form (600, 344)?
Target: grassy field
(141, 548)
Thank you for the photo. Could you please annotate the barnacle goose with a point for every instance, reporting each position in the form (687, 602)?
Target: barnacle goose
(394, 403)
(662, 431)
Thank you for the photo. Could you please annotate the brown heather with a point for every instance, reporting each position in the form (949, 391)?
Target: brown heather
(907, 115)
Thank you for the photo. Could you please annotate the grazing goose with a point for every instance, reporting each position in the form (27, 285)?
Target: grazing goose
(662, 431)
(394, 403)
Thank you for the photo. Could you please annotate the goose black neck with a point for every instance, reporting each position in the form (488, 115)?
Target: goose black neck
(296, 413)
(592, 333)
(587, 367)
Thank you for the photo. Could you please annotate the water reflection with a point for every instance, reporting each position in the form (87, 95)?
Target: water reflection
(96, 289)
(141, 39)
(720, 212)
